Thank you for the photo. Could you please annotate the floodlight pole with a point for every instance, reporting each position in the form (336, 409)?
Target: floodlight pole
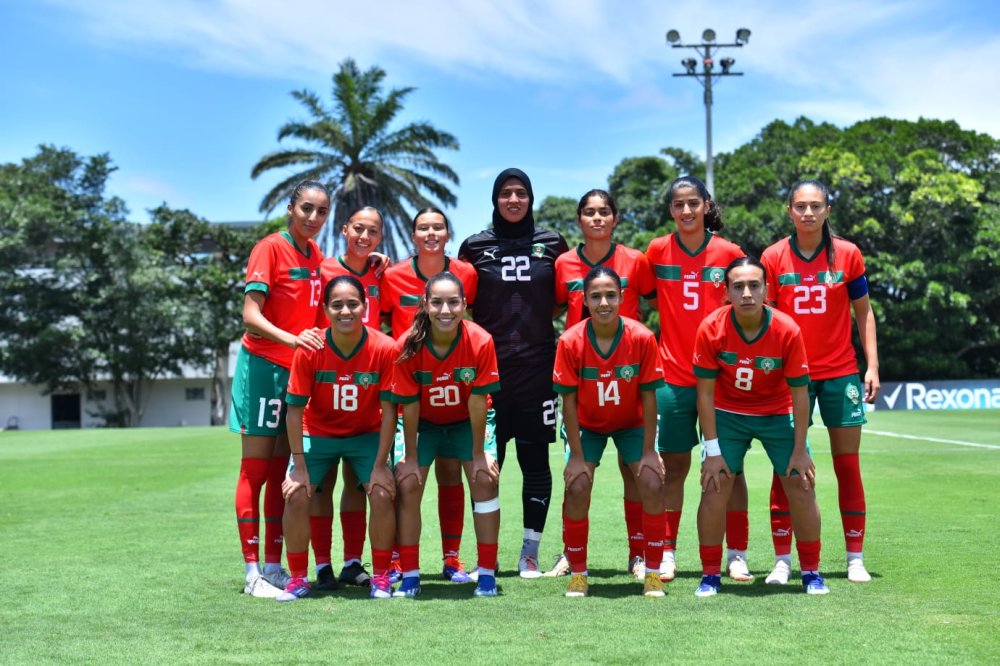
(707, 49)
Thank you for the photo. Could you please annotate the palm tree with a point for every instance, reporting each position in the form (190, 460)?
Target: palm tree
(361, 159)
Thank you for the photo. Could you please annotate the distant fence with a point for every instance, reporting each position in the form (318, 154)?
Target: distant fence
(961, 394)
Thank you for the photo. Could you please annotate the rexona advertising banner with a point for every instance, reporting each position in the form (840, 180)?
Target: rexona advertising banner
(962, 394)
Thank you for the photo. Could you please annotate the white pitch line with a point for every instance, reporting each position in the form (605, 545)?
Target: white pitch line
(931, 439)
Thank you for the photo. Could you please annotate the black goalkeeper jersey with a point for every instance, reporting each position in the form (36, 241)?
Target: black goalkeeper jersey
(516, 293)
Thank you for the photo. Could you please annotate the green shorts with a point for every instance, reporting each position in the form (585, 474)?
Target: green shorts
(627, 441)
(776, 433)
(489, 444)
(676, 418)
(841, 401)
(258, 397)
(322, 453)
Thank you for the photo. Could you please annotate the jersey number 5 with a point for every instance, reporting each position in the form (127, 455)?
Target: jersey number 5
(515, 269)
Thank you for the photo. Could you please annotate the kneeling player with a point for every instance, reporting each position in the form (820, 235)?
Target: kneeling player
(446, 369)
(334, 396)
(750, 364)
(607, 370)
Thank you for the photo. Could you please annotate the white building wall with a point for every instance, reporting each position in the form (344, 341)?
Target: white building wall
(26, 406)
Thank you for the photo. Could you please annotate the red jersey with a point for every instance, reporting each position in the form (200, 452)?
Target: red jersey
(608, 385)
(815, 295)
(291, 283)
(443, 385)
(403, 287)
(342, 393)
(752, 376)
(631, 265)
(689, 286)
(335, 267)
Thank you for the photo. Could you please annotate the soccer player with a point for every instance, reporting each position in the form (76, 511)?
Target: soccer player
(403, 287)
(818, 279)
(597, 216)
(283, 292)
(515, 263)
(444, 374)
(607, 371)
(752, 373)
(338, 408)
(363, 233)
(689, 265)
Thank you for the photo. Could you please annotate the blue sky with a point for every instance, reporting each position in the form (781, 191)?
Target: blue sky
(186, 95)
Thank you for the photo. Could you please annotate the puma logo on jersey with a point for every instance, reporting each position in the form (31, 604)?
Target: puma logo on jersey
(745, 361)
(258, 274)
(443, 378)
(491, 253)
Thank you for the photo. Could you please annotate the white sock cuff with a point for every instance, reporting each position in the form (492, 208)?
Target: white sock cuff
(532, 535)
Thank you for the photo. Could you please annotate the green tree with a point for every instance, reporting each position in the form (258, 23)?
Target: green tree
(353, 148)
(559, 214)
(210, 261)
(83, 300)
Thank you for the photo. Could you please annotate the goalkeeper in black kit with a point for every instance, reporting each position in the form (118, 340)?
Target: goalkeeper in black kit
(515, 263)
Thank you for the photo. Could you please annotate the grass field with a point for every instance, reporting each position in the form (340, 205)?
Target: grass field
(120, 547)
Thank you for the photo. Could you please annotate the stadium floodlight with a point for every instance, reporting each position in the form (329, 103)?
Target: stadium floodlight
(706, 49)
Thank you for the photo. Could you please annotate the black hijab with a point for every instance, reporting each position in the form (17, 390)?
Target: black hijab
(502, 227)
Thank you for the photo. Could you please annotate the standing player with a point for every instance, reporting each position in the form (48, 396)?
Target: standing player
(607, 371)
(283, 293)
(689, 265)
(446, 370)
(818, 279)
(363, 233)
(515, 263)
(752, 376)
(403, 287)
(597, 216)
(338, 407)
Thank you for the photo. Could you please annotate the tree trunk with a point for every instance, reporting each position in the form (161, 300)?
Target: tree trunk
(220, 374)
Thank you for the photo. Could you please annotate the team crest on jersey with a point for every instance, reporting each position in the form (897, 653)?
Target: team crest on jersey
(365, 379)
(717, 275)
(373, 291)
(538, 250)
(465, 375)
(852, 393)
(767, 365)
(829, 279)
(626, 372)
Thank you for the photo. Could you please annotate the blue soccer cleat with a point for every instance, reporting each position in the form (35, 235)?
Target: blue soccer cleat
(709, 586)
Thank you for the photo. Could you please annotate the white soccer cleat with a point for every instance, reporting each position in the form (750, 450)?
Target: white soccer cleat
(560, 568)
(779, 574)
(527, 567)
(260, 588)
(856, 572)
(738, 569)
(668, 567)
(637, 567)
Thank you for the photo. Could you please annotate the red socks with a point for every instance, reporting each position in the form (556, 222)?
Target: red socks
(487, 556)
(575, 534)
(737, 530)
(321, 536)
(274, 509)
(781, 519)
(353, 524)
(673, 524)
(635, 526)
(451, 513)
(711, 560)
(253, 474)
(409, 558)
(808, 555)
(381, 559)
(298, 564)
(851, 494)
(653, 524)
